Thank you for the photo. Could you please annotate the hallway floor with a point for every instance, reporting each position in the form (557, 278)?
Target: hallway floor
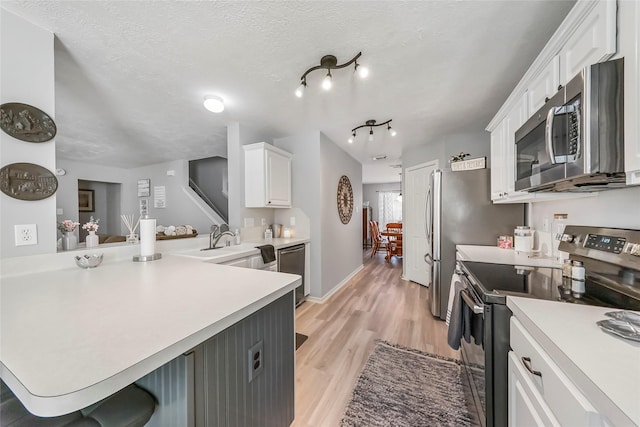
(375, 304)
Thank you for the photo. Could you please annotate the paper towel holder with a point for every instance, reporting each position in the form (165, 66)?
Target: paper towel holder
(145, 258)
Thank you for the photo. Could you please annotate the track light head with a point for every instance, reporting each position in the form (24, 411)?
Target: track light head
(326, 82)
(392, 131)
(300, 90)
(362, 71)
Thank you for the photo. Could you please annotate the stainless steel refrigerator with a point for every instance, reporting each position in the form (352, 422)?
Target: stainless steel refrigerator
(460, 212)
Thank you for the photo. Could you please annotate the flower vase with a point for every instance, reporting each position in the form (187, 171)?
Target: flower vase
(69, 241)
(92, 240)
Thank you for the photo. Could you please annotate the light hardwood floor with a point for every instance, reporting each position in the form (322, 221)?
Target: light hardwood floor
(375, 304)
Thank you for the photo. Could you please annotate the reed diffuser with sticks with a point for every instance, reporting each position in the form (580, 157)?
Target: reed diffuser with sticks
(132, 237)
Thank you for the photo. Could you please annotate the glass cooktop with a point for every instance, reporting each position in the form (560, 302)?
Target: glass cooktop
(493, 282)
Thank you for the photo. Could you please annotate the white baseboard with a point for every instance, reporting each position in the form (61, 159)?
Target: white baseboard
(336, 288)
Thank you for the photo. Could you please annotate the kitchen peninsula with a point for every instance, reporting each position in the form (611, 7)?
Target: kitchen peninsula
(71, 337)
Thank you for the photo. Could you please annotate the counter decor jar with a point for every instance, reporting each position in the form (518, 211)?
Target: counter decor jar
(69, 241)
(567, 267)
(577, 271)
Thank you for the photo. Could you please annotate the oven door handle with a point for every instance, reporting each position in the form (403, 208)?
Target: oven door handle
(477, 309)
(551, 115)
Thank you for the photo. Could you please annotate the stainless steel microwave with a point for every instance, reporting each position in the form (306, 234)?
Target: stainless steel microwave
(575, 142)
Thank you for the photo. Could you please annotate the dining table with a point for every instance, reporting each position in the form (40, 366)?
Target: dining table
(393, 236)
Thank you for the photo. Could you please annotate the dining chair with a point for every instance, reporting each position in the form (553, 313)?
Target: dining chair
(379, 242)
(395, 242)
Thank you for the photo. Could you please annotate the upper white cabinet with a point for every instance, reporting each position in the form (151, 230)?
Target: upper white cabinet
(503, 168)
(594, 31)
(267, 176)
(543, 86)
(593, 41)
(630, 44)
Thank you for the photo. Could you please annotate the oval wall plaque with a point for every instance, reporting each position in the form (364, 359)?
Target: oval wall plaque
(345, 199)
(27, 181)
(26, 122)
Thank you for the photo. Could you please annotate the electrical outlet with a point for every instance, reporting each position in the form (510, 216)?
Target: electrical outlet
(255, 360)
(26, 234)
(292, 221)
(263, 221)
(545, 225)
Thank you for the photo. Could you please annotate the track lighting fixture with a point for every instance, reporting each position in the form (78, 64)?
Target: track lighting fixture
(371, 124)
(330, 62)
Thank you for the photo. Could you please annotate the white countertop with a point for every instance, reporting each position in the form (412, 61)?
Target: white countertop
(496, 255)
(70, 337)
(604, 367)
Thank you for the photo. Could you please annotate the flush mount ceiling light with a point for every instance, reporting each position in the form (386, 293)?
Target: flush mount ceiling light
(214, 103)
(371, 124)
(330, 62)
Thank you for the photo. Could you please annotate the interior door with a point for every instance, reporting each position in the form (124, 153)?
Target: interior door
(416, 217)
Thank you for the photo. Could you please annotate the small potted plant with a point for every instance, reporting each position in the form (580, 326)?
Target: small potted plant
(69, 239)
(91, 226)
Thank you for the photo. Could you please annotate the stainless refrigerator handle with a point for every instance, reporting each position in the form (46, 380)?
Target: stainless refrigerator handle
(551, 115)
(477, 309)
(427, 217)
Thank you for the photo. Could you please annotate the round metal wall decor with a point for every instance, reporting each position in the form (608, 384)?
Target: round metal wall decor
(345, 199)
(26, 122)
(27, 181)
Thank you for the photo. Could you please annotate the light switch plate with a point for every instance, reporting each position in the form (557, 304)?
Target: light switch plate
(292, 221)
(59, 211)
(26, 234)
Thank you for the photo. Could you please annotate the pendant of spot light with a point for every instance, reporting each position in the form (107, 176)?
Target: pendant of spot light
(330, 62)
(371, 124)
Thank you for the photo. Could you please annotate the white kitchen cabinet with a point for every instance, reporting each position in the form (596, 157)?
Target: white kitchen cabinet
(498, 162)
(630, 40)
(526, 405)
(267, 176)
(540, 393)
(593, 41)
(543, 86)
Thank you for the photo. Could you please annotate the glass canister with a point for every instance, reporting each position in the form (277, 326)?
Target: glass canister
(523, 239)
(557, 230)
(567, 267)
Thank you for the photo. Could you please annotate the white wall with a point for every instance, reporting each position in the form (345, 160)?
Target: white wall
(613, 208)
(237, 136)
(341, 243)
(27, 76)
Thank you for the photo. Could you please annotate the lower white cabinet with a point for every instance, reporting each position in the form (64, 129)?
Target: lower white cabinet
(526, 405)
(540, 393)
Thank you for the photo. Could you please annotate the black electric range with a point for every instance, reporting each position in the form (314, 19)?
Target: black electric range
(492, 283)
(611, 258)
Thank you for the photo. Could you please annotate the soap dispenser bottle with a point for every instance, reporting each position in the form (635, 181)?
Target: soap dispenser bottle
(236, 237)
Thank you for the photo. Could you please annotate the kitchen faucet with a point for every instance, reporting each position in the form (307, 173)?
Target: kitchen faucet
(217, 233)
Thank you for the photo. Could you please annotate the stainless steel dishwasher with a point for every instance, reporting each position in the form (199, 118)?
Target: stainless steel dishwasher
(291, 260)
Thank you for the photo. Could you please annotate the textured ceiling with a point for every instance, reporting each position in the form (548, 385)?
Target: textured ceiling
(131, 76)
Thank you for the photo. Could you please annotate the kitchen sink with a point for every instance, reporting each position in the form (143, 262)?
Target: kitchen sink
(218, 252)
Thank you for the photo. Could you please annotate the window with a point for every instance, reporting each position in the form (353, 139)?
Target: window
(389, 207)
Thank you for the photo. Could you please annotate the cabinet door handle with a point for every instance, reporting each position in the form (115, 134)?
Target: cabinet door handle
(526, 361)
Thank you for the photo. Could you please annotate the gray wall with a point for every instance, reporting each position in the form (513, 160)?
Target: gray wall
(210, 175)
(27, 75)
(106, 204)
(305, 191)
(237, 136)
(370, 193)
(342, 243)
(477, 144)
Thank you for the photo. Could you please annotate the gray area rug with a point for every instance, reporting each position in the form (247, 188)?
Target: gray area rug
(406, 387)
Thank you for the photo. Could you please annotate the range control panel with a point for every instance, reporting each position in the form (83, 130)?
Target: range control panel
(605, 243)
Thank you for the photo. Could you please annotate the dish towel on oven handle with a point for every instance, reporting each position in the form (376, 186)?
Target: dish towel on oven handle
(452, 293)
(455, 309)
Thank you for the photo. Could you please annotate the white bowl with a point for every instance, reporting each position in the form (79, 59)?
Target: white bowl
(88, 260)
